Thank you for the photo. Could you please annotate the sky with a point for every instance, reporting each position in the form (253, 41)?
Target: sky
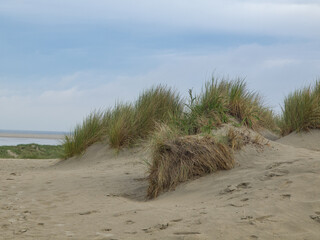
(62, 59)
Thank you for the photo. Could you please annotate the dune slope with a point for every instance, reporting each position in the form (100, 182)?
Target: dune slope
(272, 193)
(309, 140)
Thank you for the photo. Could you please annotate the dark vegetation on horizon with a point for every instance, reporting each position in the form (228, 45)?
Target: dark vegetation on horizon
(31, 151)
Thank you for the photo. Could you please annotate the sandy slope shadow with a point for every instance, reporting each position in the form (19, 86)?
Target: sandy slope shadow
(120, 174)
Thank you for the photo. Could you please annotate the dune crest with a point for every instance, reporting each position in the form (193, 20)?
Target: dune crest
(309, 140)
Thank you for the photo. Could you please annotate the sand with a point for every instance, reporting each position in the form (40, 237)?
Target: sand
(272, 193)
(309, 140)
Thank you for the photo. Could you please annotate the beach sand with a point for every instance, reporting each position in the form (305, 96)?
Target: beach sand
(272, 193)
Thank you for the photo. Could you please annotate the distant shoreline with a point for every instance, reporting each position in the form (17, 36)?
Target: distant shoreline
(31, 135)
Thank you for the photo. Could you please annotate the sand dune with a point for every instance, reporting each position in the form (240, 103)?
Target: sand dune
(309, 140)
(272, 193)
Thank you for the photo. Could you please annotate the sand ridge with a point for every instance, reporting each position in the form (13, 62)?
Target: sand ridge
(272, 193)
(309, 140)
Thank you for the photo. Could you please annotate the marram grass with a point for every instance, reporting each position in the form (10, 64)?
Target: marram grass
(119, 125)
(126, 123)
(220, 101)
(176, 159)
(301, 110)
(90, 131)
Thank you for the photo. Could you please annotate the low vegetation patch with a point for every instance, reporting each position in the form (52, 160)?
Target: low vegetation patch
(301, 110)
(31, 151)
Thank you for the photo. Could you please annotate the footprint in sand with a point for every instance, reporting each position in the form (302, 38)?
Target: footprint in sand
(88, 212)
(186, 233)
(176, 220)
(286, 196)
(129, 222)
(277, 164)
(274, 173)
(316, 217)
(232, 188)
(156, 228)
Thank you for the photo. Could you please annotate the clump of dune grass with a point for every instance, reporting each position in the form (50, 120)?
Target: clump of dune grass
(128, 123)
(222, 100)
(119, 124)
(125, 123)
(90, 131)
(157, 104)
(248, 107)
(235, 140)
(176, 159)
(301, 110)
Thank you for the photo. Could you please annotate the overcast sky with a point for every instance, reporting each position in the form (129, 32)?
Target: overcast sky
(61, 59)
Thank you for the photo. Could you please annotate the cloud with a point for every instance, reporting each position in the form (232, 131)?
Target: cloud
(280, 18)
(66, 58)
(60, 102)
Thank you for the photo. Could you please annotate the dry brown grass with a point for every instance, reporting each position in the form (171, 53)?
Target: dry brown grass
(235, 140)
(239, 137)
(176, 159)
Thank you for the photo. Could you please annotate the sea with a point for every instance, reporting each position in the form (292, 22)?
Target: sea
(37, 137)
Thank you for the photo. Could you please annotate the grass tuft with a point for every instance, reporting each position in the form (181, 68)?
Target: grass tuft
(84, 135)
(176, 159)
(119, 124)
(301, 110)
(223, 100)
(158, 104)
(126, 123)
